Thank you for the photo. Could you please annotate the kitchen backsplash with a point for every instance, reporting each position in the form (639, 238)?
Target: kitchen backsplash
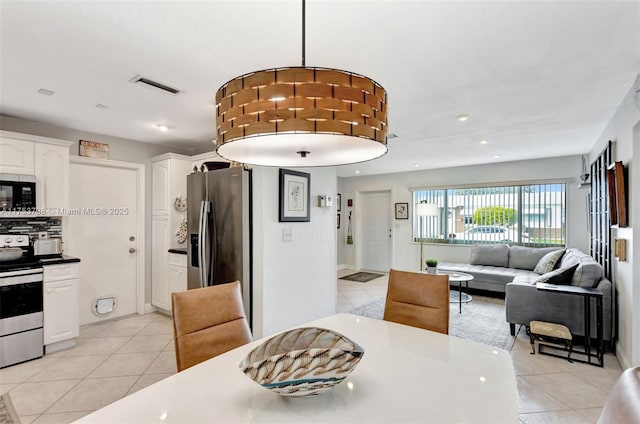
(32, 226)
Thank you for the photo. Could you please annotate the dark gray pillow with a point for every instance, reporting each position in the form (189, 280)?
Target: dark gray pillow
(490, 254)
(560, 276)
(548, 262)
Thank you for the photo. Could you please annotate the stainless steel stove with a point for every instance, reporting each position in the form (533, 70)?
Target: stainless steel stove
(21, 316)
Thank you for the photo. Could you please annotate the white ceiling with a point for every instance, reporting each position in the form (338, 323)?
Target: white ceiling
(539, 79)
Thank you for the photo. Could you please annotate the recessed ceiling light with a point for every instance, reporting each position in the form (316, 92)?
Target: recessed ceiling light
(101, 106)
(357, 172)
(415, 165)
(46, 92)
(462, 118)
(162, 127)
(496, 156)
(483, 142)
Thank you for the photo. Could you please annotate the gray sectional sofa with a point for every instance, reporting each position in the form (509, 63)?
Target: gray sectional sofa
(501, 268)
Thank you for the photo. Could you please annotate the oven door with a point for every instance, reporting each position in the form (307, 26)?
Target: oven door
(20, 303)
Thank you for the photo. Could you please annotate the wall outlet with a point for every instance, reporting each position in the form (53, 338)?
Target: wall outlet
(287, 234)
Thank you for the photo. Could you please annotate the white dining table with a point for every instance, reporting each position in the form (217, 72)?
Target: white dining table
(407, 375)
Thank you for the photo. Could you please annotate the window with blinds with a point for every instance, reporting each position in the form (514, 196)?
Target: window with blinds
(531, 214)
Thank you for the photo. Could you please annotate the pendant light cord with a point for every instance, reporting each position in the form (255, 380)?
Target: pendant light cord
(303, 31)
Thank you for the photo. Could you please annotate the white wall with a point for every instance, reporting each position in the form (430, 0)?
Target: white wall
(120, 149)
(626, 275)
(294, 282)
(406, 254)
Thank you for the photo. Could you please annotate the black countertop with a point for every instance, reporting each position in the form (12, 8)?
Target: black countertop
(56, 260)
(179, 250)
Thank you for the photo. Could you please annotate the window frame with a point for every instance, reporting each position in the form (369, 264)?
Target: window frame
(416, 238)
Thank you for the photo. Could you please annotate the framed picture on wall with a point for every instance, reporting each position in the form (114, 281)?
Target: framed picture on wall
(339, 203)
(402, 210)
(338, 221)
(294, 196)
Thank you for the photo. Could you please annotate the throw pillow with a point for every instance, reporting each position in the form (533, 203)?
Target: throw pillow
(548, 262)
(561, 276)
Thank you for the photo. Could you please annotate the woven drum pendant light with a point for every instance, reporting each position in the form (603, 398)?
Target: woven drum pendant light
(301, 116)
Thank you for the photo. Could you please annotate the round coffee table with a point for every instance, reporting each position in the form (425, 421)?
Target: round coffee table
(460, 277)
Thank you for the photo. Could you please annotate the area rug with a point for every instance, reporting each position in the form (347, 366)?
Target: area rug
(361, 277)
(8, 414)
(482, 320)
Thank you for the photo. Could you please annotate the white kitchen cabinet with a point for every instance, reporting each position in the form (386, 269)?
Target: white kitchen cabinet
(177, 273)
(159, 255)
(160, 183)
(45, 158)
(52, 177)
(16, 156)
(60, 304)
(169, 181)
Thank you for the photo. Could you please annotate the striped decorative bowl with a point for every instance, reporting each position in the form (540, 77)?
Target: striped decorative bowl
(303, 361)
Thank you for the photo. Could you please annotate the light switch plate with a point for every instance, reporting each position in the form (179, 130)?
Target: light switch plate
(287, 234)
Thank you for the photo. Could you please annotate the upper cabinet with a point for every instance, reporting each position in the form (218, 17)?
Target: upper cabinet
(45, 158)
(160, 177)
(52, 176)
(16, 156)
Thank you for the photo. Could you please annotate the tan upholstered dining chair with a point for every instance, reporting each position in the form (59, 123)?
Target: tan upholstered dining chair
(208, 322)
(623, 404)
(419, 300)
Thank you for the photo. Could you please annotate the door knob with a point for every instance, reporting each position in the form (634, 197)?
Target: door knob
(132, 250)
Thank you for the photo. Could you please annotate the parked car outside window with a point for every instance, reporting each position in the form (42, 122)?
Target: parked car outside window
(490, 233)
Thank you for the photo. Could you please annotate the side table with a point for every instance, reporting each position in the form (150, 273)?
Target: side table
(587, 294)
(459, 277)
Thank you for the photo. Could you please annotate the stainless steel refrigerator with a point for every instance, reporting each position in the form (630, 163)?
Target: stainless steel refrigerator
(219, 223)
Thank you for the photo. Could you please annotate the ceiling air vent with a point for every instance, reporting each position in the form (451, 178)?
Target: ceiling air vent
(139, 79)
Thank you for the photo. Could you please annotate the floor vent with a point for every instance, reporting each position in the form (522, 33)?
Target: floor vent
(139, 79)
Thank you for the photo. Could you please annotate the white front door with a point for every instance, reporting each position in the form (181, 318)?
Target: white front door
(104, 234)
(376, 237)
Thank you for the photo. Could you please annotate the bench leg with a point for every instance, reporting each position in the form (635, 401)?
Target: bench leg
(531, 340)
(512, 328)
(570, 343)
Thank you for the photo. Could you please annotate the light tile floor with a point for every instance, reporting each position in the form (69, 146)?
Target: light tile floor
(550, 390)
(109, 361)
(120, 357)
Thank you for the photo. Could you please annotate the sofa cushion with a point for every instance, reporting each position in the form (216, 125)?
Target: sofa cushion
(548, 262)
(527, 257)
(490, 255)
(588, 273)
(488, 274)
(561, 276)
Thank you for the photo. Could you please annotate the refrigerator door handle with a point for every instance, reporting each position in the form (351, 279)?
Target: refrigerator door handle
(212, 244)
(201, 243)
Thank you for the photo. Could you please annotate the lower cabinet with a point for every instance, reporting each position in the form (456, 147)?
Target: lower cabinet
(173, 279)
(60, 303)
(177, 273)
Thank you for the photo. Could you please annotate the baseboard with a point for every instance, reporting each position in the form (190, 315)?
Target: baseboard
(622, 358)
(54, 347)
(341, 267)
(148, 308)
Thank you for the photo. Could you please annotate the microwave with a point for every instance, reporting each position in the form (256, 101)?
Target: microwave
(17, 192)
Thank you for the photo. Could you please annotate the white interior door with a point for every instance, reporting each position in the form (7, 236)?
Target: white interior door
(104, 234)
(376, 237)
